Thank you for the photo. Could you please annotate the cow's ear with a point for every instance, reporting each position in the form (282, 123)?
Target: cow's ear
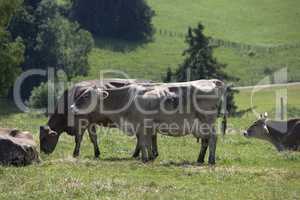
(260, 116)
(43, 128)
(53, 133)
(14, 132)
(266, 115)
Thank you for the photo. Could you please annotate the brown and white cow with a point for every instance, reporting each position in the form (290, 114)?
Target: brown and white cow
(284, 135)
(174, 109)
(65, 120)
(17, 147)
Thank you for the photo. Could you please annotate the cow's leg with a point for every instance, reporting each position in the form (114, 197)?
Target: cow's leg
(212, 143)
(146, 145)
(93, 137)
(204, 145)
(81, 126)
(78, 139)
(154, 145)
(137, 150)
(279, 147)
(143, 147)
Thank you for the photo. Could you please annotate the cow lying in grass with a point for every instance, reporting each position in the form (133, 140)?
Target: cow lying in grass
(284, 135)
(17, 148)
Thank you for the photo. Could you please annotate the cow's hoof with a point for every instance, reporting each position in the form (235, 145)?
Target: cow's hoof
(145, 160)
(75, 155)
(136, 156)
(200, 161)
(97, 154)
(155, 154)
(212, 163)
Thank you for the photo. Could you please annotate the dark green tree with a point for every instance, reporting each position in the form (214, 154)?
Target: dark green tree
(11, 51)
(200, 63)
(51, 40)
(65, 46)
(169, 76)
(124, 19)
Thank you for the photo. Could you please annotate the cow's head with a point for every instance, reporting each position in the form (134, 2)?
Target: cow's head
(48, 139)
(259, 128)
(88, 99)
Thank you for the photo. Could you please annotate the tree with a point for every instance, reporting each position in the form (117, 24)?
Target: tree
(65, 46)
(11, 51)
(124, 19)
(200, 63)
(169, 76)
(51, 40)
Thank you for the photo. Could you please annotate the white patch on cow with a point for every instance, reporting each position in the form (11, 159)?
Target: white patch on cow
(206, 87)
(266, 129)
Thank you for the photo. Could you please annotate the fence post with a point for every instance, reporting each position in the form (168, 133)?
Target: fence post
(281, 109)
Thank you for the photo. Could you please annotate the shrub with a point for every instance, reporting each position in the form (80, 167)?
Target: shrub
(122, 19)
(39, 97)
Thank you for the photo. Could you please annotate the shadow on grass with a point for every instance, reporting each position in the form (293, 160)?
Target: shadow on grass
(111, 159)
(183, 163)
(117, 45)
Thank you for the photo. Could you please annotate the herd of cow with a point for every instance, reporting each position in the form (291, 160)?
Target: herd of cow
(143, 109)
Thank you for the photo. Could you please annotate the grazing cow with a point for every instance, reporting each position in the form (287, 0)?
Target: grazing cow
(284, 135)
(174, 109)
(60, 120)
(17, 147)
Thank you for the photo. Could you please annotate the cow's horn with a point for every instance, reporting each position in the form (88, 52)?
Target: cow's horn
(104, 94)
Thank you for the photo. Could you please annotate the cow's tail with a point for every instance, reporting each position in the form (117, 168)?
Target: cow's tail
(223, 111)
(224, 124)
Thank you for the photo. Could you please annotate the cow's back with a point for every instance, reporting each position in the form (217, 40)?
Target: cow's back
(169, 96)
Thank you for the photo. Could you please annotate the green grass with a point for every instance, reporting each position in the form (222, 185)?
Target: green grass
(263, 23)
(246, 168)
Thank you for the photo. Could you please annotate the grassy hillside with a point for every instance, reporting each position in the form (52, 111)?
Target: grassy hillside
(246, 168)
(261, 23)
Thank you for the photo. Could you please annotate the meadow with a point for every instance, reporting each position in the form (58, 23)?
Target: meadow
(246, 168)
(259, 23)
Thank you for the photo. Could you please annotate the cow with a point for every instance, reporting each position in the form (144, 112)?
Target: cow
(17, 147)
(173, 109)
(284, 135)
(60, 120)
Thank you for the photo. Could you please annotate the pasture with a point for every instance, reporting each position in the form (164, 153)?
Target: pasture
(259, 23)
(245, 169)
